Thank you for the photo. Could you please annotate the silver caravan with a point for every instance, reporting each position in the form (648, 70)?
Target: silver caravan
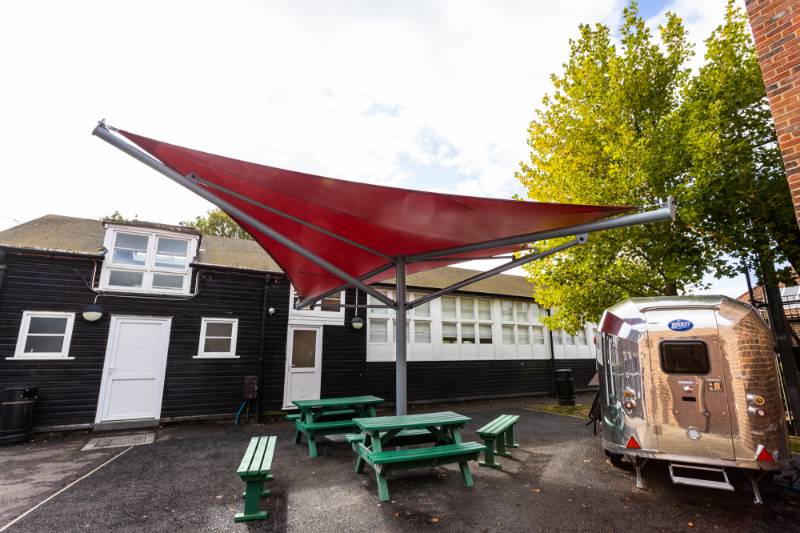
(692, 381)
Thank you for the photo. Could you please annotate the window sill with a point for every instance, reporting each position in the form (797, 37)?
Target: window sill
(40, 358)
(216, 357)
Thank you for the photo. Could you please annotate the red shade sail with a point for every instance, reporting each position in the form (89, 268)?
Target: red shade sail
(375, 222)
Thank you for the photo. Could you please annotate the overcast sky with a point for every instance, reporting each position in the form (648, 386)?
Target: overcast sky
(429, 95)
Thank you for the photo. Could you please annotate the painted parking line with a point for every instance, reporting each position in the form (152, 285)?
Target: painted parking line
(63, 489)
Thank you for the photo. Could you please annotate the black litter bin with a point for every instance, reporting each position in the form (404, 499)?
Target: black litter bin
(565, 388)
(16, 413)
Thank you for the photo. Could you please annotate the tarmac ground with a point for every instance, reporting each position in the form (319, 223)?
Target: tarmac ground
(558, 480)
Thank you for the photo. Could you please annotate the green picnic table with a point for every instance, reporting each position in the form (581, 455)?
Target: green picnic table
(443, 431)
(324, 417)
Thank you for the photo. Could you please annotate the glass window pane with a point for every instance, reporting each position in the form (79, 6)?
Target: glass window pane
(468, 333)
(371, 300)
(535, 313)
(332, 303)
(44, 343)
(580, 337)
(167, 281)
(172, 246)
(129, 257)
(121, 278)
(557, 338)
(569, 340)
(684, 357)
(304, 348)
(378, 331)
(449, 335)
(484, 309)
(448, 307)
(508, 335)
(218, 345)
(467, 308)
(522, 312)
(131, 241)
(219, 329)
(423, 310)
(485, 331)
(422, 332)
(538, 335)
(522, 335)
(47, 324)
(507, 309)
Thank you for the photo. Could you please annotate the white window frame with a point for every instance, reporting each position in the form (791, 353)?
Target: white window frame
(230, 354)
(22, 337)
(388, 315)
(315, 316)
(149, 269)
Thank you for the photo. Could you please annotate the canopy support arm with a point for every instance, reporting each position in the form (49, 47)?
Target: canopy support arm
(102, 131)
(580, 239)
(309, 301)
(664, 212)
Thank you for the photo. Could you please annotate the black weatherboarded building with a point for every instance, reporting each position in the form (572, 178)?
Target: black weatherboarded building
(188, 319)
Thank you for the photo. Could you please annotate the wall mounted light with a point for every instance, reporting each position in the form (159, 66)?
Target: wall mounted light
(357, 322)
(271, 311)
(92, 312)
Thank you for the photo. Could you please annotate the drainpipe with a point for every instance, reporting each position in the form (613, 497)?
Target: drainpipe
(259, 379)
(552, 358)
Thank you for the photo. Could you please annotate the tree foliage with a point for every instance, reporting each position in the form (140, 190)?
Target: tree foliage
(630, 124)
(217, 222)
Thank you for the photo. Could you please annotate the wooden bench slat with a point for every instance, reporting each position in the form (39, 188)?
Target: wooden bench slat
(255, 465)
(414, 454)
(498, 425)
(332, 424)
(266, 461)
(244, 466)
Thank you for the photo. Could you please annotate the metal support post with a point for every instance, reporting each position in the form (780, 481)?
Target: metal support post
(400, 337)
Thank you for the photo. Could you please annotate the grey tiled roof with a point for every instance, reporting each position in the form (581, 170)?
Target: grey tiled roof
(85, 236)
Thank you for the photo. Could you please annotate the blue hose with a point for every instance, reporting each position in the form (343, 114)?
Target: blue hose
(239, 412)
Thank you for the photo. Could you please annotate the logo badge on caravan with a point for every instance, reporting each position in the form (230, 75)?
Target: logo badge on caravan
(680, 324)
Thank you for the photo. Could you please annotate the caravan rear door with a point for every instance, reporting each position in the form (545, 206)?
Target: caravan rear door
(689, 383)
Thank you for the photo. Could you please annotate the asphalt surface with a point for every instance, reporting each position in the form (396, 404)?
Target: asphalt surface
(558, 480)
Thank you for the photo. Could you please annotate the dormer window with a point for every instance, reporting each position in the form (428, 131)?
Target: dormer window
(142, 260)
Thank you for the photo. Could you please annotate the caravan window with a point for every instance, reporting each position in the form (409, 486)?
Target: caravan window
(684, 357)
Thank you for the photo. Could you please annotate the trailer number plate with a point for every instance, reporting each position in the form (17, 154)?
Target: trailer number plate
(714, 385)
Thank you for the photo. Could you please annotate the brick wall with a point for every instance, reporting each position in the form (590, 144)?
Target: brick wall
(776, 28)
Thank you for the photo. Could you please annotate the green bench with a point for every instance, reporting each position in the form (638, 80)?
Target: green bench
(255, 469)
(498, 433)
(317, 429)
(329, 416)
(396, 459)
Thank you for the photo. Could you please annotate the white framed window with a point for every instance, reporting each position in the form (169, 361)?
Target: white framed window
(538, 335)
(142, 260)
(329, 310)
(580, 338)
(381, 321)
(218, 338)
(569, 340)
(516, 317)
(557, 339)
(44, 335)
(466, 320)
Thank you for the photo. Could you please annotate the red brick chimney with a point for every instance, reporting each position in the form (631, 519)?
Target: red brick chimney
(776, 28)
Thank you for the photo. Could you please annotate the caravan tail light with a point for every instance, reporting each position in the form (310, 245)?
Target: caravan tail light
(763, 455)
(633, 444)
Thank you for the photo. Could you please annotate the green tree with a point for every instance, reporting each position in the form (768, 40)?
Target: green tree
(737, 193)
(610, 133)
(217, 222)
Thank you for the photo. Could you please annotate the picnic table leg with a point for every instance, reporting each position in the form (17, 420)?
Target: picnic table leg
(501, 446)
(252, 495)
(383, 488)
(466, 474)
(372, 411)
(510, 438)
(359, 464)
(312, 444)
(489, 455)
(298, 435)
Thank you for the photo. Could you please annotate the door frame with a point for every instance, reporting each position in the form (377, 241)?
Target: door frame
(287, 402)
(111, 345)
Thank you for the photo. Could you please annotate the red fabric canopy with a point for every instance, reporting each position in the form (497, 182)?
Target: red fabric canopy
(393, 221)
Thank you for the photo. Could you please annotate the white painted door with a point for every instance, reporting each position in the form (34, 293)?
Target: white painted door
(133, 376)
(303, 364)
